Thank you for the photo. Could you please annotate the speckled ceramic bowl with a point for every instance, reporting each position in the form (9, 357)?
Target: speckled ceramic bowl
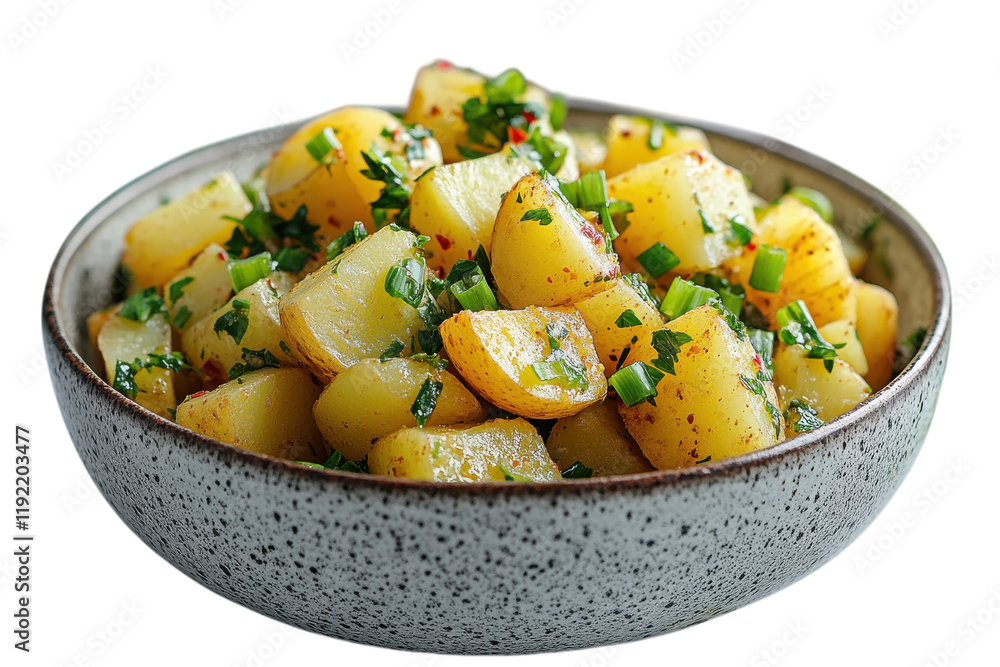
(498, 568)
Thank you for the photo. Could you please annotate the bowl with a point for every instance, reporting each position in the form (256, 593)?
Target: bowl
(496, 568)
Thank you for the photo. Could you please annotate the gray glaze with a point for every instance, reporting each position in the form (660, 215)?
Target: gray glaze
(498, 568)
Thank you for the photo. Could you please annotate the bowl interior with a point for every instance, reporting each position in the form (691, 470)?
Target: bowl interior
(904, 259)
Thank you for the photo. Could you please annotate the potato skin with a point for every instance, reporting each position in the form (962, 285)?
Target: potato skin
(456, 205)
(878, 327)
(547, 264)
(817, 271)
(831, 393)
(465, 454)
(493, 352)
(667, 195)
(162, 243)
(596, 436)
(337, 194)
(628, 143)
(332, 320)
(373, 398)
(601, 312)
(267, 411)
(705, 411)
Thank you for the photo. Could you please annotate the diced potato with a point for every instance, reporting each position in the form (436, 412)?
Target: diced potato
(162, 244)
(200, 288)
(492, 451)
(267, 411)
(816, 271)
(121, 339)
(373, 398)
(439, 92)
(337, 194)
(214, 354)
(341, 313)
(878, 324)
(707, 411)
(96, 322)
(830, 394)
(493, 351)
(843, 331)
(628, 143)
(601, 313)
(670, 195)
(597, 438)
(591, 149)
(544, 252)
(455, 205)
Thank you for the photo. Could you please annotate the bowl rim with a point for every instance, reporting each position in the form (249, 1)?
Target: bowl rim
(917, 367)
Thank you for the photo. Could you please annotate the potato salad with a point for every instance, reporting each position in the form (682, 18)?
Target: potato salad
(475, 291)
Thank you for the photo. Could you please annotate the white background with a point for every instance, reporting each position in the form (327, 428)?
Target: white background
(885, 78)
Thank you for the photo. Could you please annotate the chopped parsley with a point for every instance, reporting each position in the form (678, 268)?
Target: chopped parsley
(253, 360)
(235, 321)
(636, 282)
(802, 416)
(739, 233)
(627, 319)
(395, 195)
(542, 215)
(426, 400)
(497, 116)
(182, 316)
(657, 259)
(345, 240)
(559, 366)
(756, 386)
(291, 260)
(577, 471)
(798, 328)
(915, 340)
(706, 226)
(667, 344)
(142, 305)
(176, 290)
(125, 372)
(394, 350)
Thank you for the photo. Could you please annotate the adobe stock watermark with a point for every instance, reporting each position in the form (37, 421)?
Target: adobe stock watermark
(223, 8)
(779, 649)
(32, 24)
(921, 504)
(30, 367)
(378, 21)
(968, 289)
(899, 15)
(966, 632)
(559, 13)
(101, 640)
(711, 29)
(122, 106)
(601, 656)
(81, 492)
(270, 644)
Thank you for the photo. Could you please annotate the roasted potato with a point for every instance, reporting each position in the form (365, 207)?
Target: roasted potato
(126, 340)
(536, 362)
(716, 406)
(606, 315)
(843, 332)
(878, 324)
(816, 271)
(334, 191)
(544, 251)
(687, 201)
(499, 450)
(456, 205)
(829, 393)
(199, 289)
(629, 143)
(374, 398)
(267, 411)
(341, 313)
(249, 321)
(163, 243)
(596, 437)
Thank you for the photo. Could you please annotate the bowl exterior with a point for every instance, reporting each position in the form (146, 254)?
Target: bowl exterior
(498, 568)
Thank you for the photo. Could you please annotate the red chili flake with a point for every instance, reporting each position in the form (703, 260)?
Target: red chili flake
(435, 110)
(213, 370)
(751, 246)
(443, 241)
(198, 394)
(549, 279)
(223, 255)
(530, 117)
(439, 271)
(444, 65)
(626, 134)
(698, 155)
(592, 234)
(396, 133)
(758, 361)
(565, 269)
(516, 135)
(691, 418)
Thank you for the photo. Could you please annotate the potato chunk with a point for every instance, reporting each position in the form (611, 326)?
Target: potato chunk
(816, 271)
(199, 289)
(162, 244)
(373, 398)
(606, 315)
(544, 251)
(455, 205)
(122, 339)
(715, 407)
(830, 394)
(341, 313)
(335, 193)
(878, 325)
(628, 141)
(267, 411)
(502, 449)
(213, 353)
(504, 355)
(596, 437)
(684, 201)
